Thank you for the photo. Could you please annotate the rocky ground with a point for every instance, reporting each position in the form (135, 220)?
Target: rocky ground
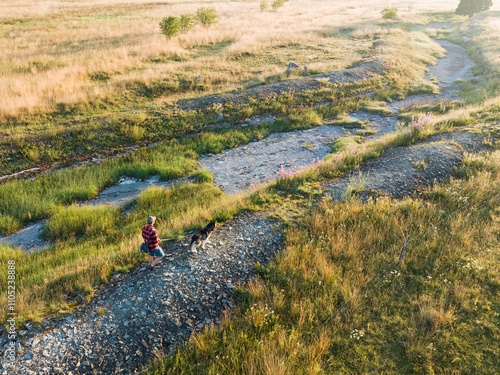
(244, 167)
(146, 312)
(403, 171)
(353, 74)
(143, 313)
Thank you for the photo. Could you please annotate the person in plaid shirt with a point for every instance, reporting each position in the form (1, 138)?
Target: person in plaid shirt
(149, 233)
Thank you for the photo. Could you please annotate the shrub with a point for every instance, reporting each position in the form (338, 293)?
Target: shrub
(416, 126)
(389, 13)
(170, 26)
(186, 23)
(206, 16)
(278, 3)
(471, 7)
(133, 132)
(263, 5)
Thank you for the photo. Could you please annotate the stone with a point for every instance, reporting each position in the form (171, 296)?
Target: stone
(28, 356)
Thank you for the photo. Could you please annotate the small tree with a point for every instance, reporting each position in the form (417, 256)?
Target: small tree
(471, 7)
(278, 3)
(389, 13)
(186, 23)
(206, 16)
(170, 26)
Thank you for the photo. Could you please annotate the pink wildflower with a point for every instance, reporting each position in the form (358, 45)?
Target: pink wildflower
(420, 123)
(283, 173)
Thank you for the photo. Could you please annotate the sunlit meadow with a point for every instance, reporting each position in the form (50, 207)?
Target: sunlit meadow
(57, 52)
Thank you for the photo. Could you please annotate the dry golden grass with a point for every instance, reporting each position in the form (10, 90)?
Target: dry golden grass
(490, 42)
(51, 49)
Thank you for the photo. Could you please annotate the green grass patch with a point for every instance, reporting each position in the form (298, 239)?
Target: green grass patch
(77, 221)
(9, 225)
(202, 175)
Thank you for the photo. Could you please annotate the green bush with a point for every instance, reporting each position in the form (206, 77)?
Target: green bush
(389, 13)
(170, 26)
(186, 23)
(77, 221)
(471, 7)
(263, 5)
(278, 3)
(134, 132)
(206, 16)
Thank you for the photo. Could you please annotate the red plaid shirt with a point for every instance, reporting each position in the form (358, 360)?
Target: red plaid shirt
(149, 230)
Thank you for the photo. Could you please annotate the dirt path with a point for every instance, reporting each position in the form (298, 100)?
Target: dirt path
(146, 311)
(456, 65)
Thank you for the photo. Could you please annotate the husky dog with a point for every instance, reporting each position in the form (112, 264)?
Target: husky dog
(202, 237)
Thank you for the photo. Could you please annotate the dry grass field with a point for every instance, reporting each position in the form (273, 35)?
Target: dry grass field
(59, 53)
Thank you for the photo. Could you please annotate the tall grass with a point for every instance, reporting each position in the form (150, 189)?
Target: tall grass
(94, 242)
(334, 302)
(24, 201)
(79, 221)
